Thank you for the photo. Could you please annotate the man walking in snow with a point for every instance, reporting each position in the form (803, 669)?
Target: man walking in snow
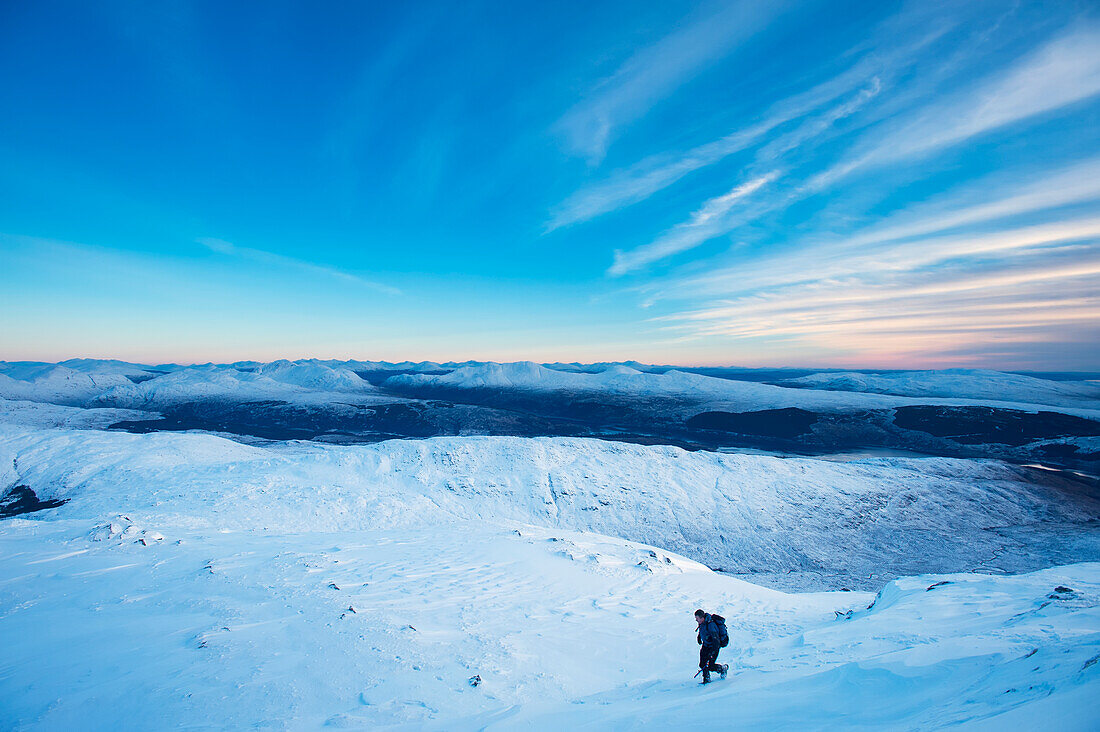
(712, 633)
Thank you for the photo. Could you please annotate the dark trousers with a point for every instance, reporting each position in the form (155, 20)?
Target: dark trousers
(708, 655)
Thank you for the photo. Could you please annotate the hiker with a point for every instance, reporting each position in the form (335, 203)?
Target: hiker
(712, 638)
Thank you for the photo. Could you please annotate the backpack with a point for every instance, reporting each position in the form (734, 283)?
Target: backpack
(723, 634)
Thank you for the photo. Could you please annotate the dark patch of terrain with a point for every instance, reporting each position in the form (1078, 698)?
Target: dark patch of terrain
(347, 423)
(21, 499)
(420, 412)
(782, 423)
(986, 425)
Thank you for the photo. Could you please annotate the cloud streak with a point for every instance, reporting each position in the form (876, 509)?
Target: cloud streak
(654, 174)
(1022, 286)
(654, 72)
(220, 246)
(709, 221)
(896, 48)
(1074, 184)
(1062, 72)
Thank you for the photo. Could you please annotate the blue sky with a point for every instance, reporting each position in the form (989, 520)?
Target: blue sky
(727, 183)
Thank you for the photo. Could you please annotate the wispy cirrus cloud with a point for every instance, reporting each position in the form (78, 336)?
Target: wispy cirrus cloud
(1070, 185)
(653, 72)
(709, 221)
(897, 45)
(840, 264)
(912, 231)
(1069, 65)
(1061, 72)
(654, 174)
(820, 124)
(649, 176)
(221, 246)
(911, 301)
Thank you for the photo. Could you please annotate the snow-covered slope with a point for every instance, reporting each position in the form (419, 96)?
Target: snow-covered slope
(933, 652)
(278, 380)
(961, 383)
(740, 395)
(196, 582)
(860, 521)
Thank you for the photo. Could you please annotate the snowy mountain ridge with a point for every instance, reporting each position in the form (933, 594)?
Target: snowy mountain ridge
(127, 385)
(955, 383)
(744, 395)
(56, 384)
(277, 380)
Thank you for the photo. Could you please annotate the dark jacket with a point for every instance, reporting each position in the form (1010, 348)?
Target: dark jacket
(708, 632)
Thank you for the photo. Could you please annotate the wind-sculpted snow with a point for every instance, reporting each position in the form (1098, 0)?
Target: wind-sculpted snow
(961, 383)
(742, 395)
(858, 522)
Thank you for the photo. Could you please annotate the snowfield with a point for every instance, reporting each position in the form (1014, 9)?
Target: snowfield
(510, 583)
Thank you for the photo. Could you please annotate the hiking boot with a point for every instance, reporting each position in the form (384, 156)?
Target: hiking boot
(706, 678)
(725, 668)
